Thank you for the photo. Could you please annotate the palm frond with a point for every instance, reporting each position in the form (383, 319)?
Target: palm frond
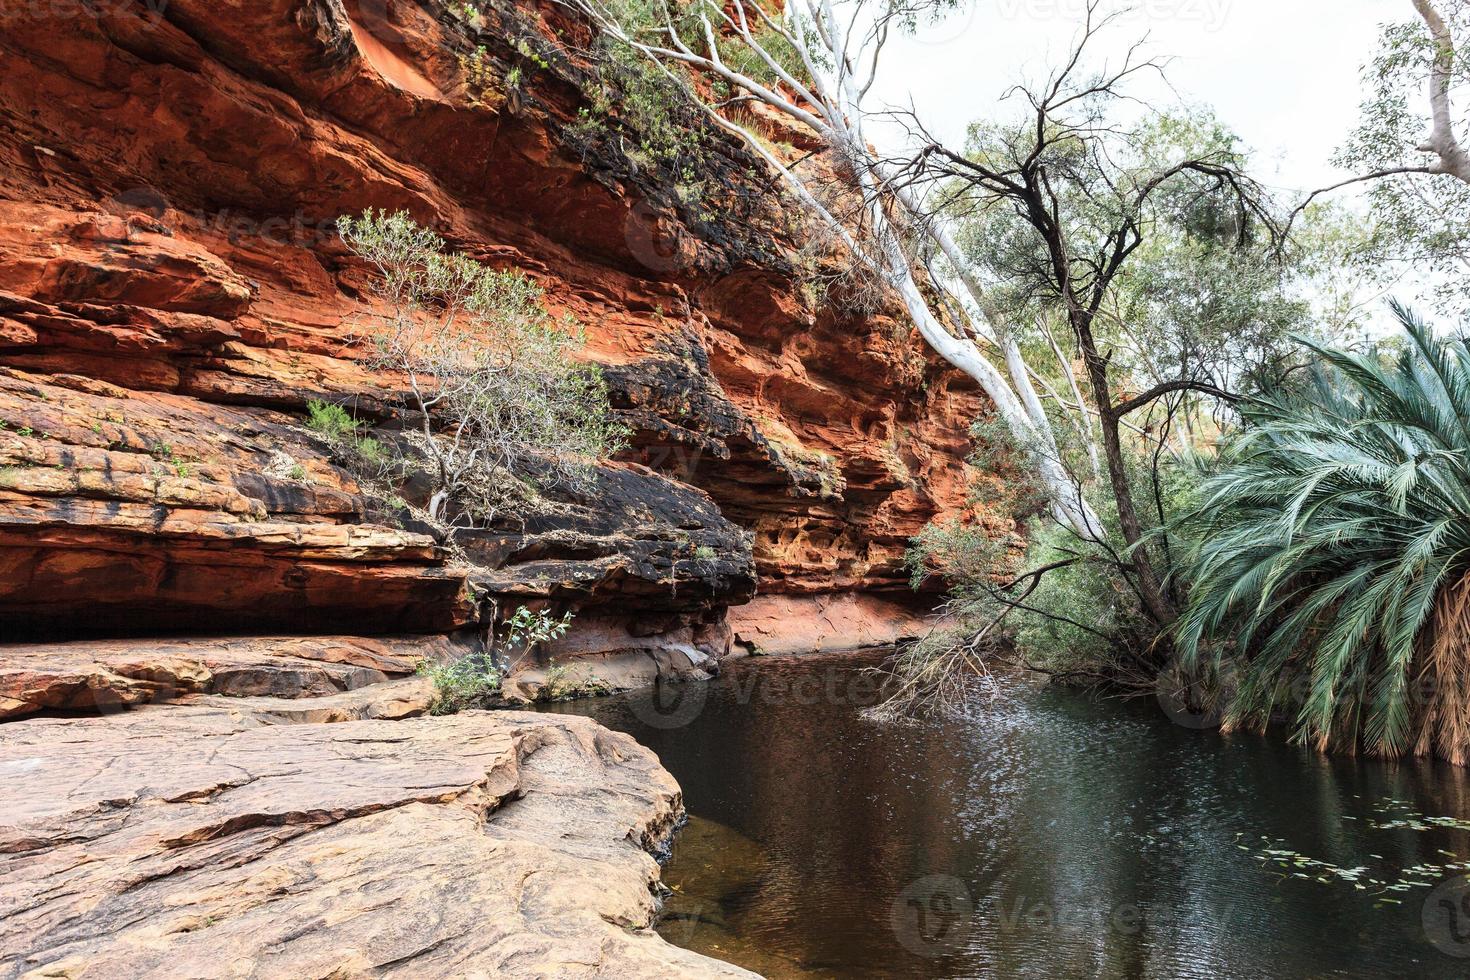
(1331, 557)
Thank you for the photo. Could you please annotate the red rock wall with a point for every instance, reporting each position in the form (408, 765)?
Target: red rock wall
(171, 294)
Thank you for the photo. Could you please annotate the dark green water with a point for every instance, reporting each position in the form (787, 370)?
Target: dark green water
(1049, 834)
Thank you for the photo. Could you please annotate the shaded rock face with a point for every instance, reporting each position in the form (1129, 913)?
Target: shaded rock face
(172, 294)
(208, 841)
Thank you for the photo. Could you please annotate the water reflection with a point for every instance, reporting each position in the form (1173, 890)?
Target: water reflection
(1050, 834)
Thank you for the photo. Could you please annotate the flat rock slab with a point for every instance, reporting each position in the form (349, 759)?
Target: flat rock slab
(102, 674)
(193, 841)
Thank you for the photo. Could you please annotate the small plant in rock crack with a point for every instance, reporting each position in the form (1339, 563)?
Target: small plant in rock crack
(467, 682)
(364, 455)
(475, 679)
(495, 399)
(563, 685)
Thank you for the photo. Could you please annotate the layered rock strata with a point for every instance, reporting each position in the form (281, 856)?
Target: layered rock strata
(172, 294)
(212, 840)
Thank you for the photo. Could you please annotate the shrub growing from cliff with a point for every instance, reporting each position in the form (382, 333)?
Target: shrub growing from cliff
(496, 397)
(655, 123)
(344, 434)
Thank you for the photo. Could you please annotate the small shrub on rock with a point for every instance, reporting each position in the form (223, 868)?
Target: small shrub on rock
(496, 403)
(475, 680)
(562, 685)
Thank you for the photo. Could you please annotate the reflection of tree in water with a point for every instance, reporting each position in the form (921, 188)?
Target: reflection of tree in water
(1095, 837)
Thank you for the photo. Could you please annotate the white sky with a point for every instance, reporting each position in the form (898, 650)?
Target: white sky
(1284, 74)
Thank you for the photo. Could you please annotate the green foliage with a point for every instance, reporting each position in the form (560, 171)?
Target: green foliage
(330, 421)
(1083, 617)
(1198, 296)
(660, 124)
(1004, 484)
(484, 81)
(475, 680)
(359, 452)
(563, 685)
(525, 50)
(468, 682)
(492, 379)
(744, 59)
(1078, 619)
(527, 629)
(1416, 222)
(1331, 551)
(1045, 598)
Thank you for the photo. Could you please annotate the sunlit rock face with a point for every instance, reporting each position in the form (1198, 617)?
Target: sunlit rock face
(172, 294)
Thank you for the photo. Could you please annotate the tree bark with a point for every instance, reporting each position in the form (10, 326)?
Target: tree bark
(1442, 142)
(1147, 581)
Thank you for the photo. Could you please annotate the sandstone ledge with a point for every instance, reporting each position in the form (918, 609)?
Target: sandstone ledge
(194, 841)
(111, 675)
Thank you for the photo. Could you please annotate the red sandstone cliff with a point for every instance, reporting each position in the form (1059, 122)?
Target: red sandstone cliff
(172, 294)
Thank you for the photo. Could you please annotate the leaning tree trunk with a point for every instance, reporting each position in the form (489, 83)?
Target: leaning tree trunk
(1146, 578)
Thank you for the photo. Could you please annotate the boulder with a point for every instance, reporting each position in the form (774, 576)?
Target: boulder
(196, 841)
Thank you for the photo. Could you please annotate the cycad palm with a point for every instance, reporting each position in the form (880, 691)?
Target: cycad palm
(1333, 550)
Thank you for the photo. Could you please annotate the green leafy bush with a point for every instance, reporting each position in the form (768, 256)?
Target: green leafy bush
(331, 422)
(1044, 598)
(666, 127)
(468, 682)
(475, 680)
(563, 685)
(363, 454)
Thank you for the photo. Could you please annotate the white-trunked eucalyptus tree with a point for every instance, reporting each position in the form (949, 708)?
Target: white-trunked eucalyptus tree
(815, 63)
(1410, 148)
(1065, 194)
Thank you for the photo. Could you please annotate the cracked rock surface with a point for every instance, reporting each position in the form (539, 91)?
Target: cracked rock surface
(207, 841)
